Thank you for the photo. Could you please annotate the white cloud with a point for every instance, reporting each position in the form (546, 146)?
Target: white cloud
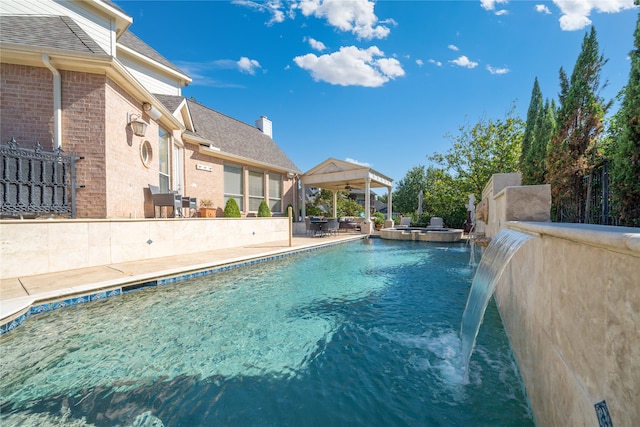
(419, 62)
(351, 66)
(575, 13)
(433, 61)
(274, 7)
(247, 65)
(491, 4)
(502, 12)
(355, 16)
(463, 61)
(453, 47)
(542, 8)
(316, 45)
(356, 162)
(493, 70)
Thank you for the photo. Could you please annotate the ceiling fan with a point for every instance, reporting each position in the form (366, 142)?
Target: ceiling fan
(348, 187)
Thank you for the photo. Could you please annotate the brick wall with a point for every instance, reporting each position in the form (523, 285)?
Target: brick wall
(83, 134)
(128, 178)
(204, 184)
(26, 105)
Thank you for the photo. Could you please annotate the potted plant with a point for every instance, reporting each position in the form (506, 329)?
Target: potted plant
(378, 218)
(206, 209)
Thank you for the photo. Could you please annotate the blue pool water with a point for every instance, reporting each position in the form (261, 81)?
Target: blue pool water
(361, 334)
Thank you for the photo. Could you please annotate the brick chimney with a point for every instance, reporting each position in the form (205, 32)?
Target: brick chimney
(265, 126)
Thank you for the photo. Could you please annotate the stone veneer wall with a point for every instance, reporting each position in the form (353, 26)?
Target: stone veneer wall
(570, 301)
(38, 247)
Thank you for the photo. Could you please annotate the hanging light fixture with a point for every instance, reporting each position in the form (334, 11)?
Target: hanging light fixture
(138, 126)
(348, 187)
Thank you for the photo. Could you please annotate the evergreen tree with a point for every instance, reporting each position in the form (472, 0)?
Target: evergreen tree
(626, 166)
(543, 132)
(533, 116)
(573, 151)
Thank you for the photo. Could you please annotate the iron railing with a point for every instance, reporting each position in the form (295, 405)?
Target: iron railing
(35, 183)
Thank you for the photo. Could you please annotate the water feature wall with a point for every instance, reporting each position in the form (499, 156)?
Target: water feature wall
(494, 260)
(570, 301)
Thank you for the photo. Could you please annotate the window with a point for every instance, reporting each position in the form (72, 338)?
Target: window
(146, 153)
(233, 184)
(163, 159)
(256, 190)
(275, 192)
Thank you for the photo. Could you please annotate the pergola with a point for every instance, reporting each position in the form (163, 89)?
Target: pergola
(338, 175)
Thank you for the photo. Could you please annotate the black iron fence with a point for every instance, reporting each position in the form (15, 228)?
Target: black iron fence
(35, 183)
(595, 204)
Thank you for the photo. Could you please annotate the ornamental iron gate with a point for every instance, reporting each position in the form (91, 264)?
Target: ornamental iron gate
(35, 182)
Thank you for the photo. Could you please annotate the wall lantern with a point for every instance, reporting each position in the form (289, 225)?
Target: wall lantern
(138, 125)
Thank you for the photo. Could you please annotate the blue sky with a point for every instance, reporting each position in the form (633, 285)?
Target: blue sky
(379, 83)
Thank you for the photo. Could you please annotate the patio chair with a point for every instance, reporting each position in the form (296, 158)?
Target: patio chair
(172, 199)
(405, 222)
(191, 203)
(332, 226)
(436, 222)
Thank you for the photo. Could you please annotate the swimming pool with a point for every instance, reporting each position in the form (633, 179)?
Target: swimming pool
(364, 333)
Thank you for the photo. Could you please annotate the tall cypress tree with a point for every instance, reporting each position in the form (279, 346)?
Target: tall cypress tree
(626, 166)
(580, 122)
(536, 157)
(533, 114)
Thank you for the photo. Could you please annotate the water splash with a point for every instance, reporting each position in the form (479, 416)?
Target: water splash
(496, 257)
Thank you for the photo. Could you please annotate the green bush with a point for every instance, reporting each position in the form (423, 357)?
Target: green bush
(263, 209)
(378, 218)
(231, 209)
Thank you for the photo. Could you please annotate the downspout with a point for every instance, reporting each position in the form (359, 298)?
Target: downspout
(57, 102)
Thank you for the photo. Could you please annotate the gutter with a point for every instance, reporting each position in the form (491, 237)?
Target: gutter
(57, 102)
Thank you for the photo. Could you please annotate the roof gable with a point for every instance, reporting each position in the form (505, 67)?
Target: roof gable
(50, 32)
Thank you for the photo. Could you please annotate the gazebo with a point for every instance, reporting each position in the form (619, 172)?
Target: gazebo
(335, 175)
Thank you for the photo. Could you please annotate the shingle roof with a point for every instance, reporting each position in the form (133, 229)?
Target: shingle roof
(172, 102)
(53, 32)
(133, 42)
(232, 136)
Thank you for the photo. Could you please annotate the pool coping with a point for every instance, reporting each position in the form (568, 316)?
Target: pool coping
(15, 311)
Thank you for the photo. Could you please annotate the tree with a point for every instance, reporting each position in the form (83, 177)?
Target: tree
(539, 129)
(533, 118)
(405, 197)
(487, 148)
(574, 148)
(626, 164)
(544, 129)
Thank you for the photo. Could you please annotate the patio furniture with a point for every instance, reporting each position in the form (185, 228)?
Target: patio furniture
(348, 224)
(318, 226)
(405, 222)
(191, 204)
(172, 199)
(332, 226)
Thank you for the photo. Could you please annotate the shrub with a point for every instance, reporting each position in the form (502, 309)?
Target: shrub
(263, 209)
(231, 209)
(378, 218)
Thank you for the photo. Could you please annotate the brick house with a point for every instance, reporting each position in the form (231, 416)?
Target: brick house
(73, 76)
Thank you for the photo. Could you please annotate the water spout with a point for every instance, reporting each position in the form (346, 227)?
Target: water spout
(496, 257)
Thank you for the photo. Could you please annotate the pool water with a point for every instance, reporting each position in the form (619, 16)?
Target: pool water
(359, 334)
